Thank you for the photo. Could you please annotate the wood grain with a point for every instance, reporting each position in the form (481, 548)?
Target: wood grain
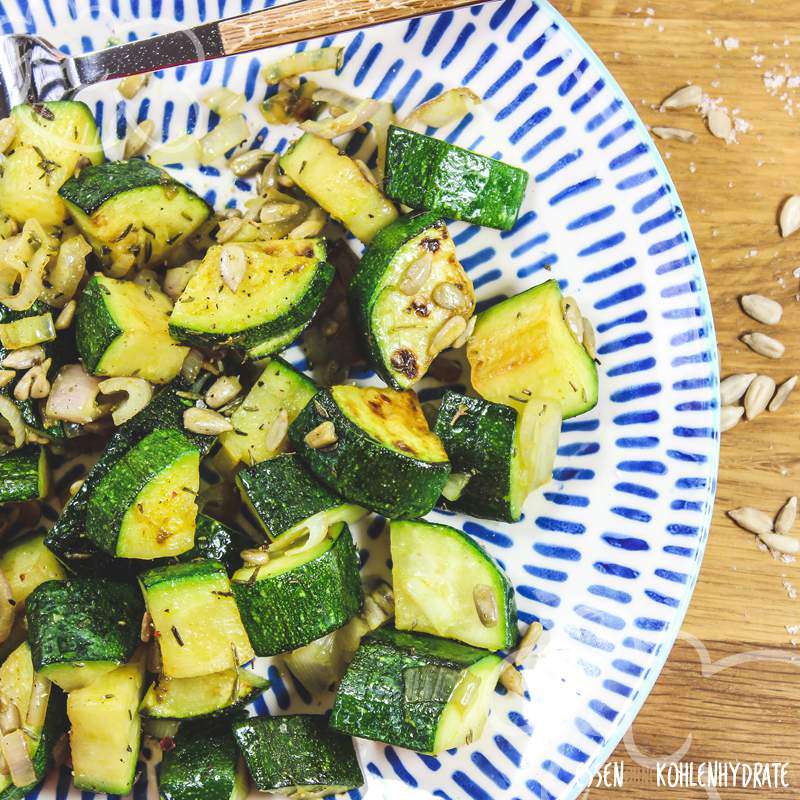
(731, 194)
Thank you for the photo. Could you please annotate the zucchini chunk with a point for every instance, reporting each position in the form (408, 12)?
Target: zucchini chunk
(122, 329)
(196, 620)
(132, 212)
(218, 542)
(26, 564)
(283, 285)
(319, 665)
(145, 506)
(43, 724)
(523, 348)
(205, 762)
(280, 388)
(300, 594)
(106, 729)
(334, 181)
(416, 691)
(275, 344)
(204, 696)
(408, 285)
(446, 584)
(24, 474)
(502, 453)
(298, 755)
(427, 173)
(81, 629)
(290, 503)
(51, 138)
(384, 457)
(67, 538)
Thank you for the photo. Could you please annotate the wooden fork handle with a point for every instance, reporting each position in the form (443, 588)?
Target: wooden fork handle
(310, 18)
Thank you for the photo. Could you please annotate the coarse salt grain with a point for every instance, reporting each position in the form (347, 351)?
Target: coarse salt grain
(731, 43)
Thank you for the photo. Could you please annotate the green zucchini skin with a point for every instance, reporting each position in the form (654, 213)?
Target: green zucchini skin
(370, 701)
(282, 493)
(287, 610)
(83, 620)
(204, 765)
(118, 489)
(362, 469)
(479, 438)
(95, 328)
(364, 287)
(215, 541)
(428, 173)
(68, 538)
(299, 751)
(23, 474)
(54, 728)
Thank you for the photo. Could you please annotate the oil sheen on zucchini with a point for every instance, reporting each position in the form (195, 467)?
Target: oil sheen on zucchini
(83, 628)
(384, 458)
(24, 474)
(132, 212)
(195, 617)
(298, 754)
(145, 506)
(503, 454)
(279, 389)
(446, 584)
(122, 329)
(427, 173)
(51, 138)
(290, 503)
(398, 314)
(300, 594)
(283, 285)
(416, 691)
(204, 696)
(523, 348)
(336, 183)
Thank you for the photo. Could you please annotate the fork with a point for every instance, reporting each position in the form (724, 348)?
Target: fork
(32, 69)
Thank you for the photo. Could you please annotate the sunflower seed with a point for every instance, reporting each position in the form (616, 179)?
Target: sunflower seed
(763, 345)
(790, 216)
(74, 486)
(6, 376)
(65, 316)
(222, 391)
(232, 266)
(323, 435)
(758, 395)
(719, 123)
(138, 138)
(780, 543)
(131, 86)
(255, 555)
(8, 131)
(248, 162)
(572, 316)
(448, 295)
(228, 228)
(729, 417)
(468, 331)
(34, 384)
(784, 390)
(447, 334)
(762, 309)
(24, 358)
(680, 134)
(785, 520)
(485, 605)
(688, 97)
(415, 276)
(146, 628)
(732, 389)
(277, 431)
(512, 680)
(751, 519)
(528, 642)
(589, 338)
(205, 421)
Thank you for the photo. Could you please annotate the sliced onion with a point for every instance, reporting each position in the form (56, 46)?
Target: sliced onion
(331, 127)
(448, 107)
(230, 132)
(73, 396)
(23, 260)
(15, 751)
(192, 365)
(66, 273)
(314, 530)
(300, 63)
(6, 608)
(224, 101)
(381, 121)
(13, 416)
(181, 150)
(139, 394)
(333, 97)
(27, 331)
(37, 705)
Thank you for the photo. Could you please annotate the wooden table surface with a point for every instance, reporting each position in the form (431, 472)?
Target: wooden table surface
(743, 708)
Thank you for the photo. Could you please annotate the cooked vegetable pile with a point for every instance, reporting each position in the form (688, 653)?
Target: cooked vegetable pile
(139, 324)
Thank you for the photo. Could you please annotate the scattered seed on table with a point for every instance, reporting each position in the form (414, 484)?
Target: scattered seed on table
(729, 417)
(751, 519)
(758, 395)
(764, 345)
(784, 522)
(732, 389)
(784, 390)
(762, 309)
